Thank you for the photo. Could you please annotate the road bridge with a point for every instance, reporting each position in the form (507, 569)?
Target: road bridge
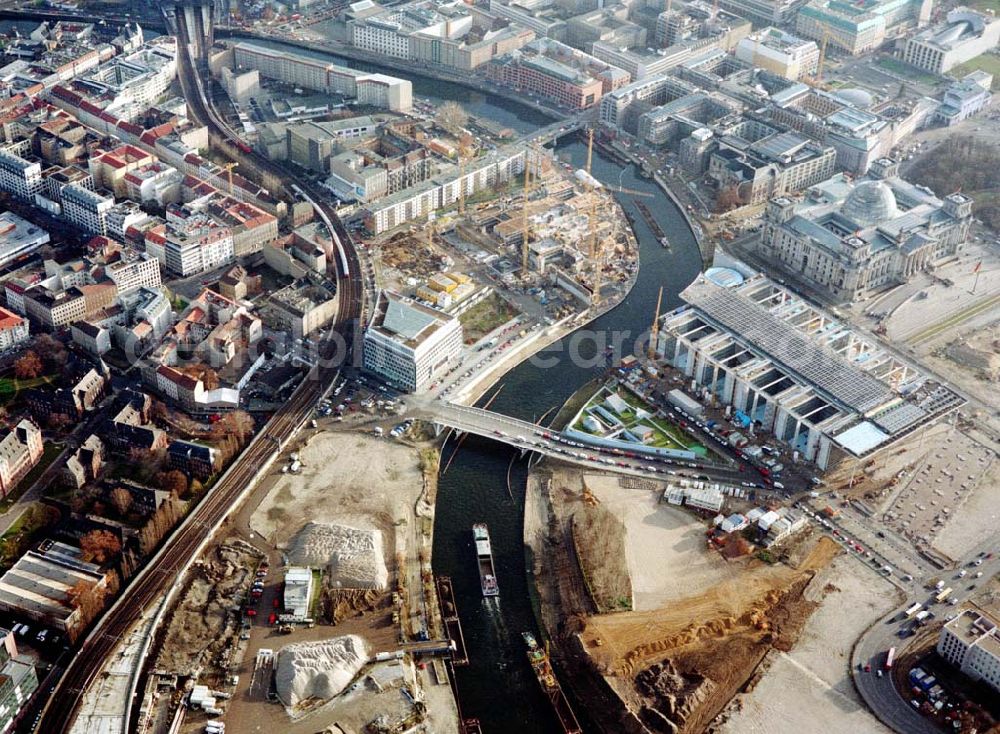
(529, 437)
(551, 133)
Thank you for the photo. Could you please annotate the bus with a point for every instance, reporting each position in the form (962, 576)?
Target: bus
(913, 610)
(943, 594)
(889, 656)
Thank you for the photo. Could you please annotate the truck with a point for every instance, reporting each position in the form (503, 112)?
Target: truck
(679, 399)
(942, 595)
(913, 610)
(921, 616)
(889, 657)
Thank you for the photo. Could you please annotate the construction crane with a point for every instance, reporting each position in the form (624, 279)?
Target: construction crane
(654, 331)
(228, 168)
(590, 148)
(822, 55)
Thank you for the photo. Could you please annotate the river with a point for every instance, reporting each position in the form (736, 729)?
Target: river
(498, 687)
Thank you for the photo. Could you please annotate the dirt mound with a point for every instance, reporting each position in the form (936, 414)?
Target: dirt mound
(318, 670)
(352, 556)
(674, 695)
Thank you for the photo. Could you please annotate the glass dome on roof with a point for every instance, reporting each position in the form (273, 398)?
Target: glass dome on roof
(870, 203)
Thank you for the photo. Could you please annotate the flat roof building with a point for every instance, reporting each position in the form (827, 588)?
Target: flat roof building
(971, 642)
(19, 237)
(780, 53)
(298, 591)
(963, 36)
(410, 344)
(797, 371)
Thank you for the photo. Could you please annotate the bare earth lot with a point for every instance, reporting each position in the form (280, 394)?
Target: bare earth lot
(809, 689)
(663, 545)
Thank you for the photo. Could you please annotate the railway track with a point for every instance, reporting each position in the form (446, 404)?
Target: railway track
(163, 570)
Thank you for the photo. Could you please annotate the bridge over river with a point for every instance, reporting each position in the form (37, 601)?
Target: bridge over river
(533, 438)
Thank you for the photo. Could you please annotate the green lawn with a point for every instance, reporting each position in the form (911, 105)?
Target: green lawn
(485, 316)
(990, 63)
(11, 386)
(905, 70)
(666, 435)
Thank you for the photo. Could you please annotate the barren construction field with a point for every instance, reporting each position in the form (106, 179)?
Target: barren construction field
(809, 688)
(684, 661)
(664, 546)
(702, 624)
(374, 486)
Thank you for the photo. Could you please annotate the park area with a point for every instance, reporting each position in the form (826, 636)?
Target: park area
(617, 414)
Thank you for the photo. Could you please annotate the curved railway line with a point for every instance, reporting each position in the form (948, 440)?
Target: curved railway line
(164, 569)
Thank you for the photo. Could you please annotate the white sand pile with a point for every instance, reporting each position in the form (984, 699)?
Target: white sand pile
(318, 669)
(353, 557)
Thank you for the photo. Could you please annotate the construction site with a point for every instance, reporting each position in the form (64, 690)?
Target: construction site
(670, 632)
(550, 245)
(322, 615)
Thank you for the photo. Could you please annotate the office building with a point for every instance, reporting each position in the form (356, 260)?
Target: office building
(13, 330)
(850, 237)
(764, 12)
(415, 202)
(826, 391)
(20, 450)
(780, 53)
(963, 36)
(971, 643)
(621, 108)
(782, 163)
(859, 27)
(377, 90)
(965, 98)
(409, 344)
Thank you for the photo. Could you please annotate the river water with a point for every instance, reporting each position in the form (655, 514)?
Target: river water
(498, 687)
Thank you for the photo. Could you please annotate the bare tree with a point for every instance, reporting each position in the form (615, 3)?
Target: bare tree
(452, 117)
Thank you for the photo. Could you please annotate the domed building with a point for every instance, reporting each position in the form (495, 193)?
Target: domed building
(850, 237)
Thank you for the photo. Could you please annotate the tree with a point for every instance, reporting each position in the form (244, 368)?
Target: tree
(121, 499)
(58, 421)
(173, 481)
(452, 117)
(51, 350)
(100, 546)
(28, 367)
